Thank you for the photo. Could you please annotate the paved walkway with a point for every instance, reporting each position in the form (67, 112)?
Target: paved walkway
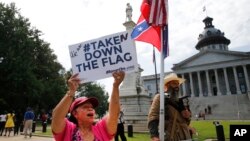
(21, 138)
(37, 138)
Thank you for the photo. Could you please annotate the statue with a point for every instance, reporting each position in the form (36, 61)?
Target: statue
(129, 12)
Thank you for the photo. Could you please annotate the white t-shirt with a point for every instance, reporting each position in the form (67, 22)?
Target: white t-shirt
(3, 118)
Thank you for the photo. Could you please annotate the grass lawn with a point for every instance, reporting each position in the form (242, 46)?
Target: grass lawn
(205, 128)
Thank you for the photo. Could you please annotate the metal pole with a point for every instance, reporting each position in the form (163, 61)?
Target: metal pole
(162, 124)
(156, 82)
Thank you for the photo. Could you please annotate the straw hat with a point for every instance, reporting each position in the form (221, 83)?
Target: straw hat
(171, 77)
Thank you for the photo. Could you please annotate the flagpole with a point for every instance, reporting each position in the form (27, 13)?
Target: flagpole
(156, 83)
(162, 124)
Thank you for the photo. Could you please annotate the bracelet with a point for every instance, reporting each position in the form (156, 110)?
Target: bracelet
(69, 95)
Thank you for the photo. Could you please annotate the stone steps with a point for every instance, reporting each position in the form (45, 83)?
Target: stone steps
(228, 107)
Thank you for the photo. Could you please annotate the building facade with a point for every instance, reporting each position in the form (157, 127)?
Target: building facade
(216, 78)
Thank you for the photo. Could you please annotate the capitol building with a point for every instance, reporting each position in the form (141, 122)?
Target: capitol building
(217, 82)
(217, 79)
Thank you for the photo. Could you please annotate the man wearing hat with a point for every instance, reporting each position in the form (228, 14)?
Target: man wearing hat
(177, 113)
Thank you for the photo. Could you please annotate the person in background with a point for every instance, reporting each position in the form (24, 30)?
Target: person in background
(177, 113)
(120, 128)
(28, 122)
(82, 111)
(2, 122)
(9, 125)
(18, 122)
(44, 118)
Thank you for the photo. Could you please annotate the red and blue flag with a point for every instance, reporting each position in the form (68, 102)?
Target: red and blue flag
(152, 21)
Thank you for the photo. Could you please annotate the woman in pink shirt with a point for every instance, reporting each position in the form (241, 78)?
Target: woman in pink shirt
(82, 127)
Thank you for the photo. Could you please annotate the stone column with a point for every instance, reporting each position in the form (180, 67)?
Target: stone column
(217, 82)
(191, 85)
(246, 77)
(179, 92)
(236, 81)
(199, 82)
(226, 80)
(208, 84)
(183, 85)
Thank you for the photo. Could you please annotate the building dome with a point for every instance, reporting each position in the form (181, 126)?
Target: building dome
(211, 38)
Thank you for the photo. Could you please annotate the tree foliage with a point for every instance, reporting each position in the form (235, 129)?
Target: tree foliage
(30, 74)
(29, 71)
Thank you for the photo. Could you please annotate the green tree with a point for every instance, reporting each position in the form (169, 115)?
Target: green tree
(29, 71)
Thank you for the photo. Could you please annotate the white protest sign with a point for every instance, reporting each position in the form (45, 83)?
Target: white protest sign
(98, 58)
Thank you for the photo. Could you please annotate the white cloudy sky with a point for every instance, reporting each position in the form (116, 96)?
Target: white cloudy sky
(66, 22)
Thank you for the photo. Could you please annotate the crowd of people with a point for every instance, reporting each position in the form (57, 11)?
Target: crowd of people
(18, 121)
(7, 123)
(81, 125)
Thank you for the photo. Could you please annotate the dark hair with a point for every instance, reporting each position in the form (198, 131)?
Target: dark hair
(72, 119)
(28, 109)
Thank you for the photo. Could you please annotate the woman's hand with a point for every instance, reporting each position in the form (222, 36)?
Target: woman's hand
(73, 83)
(118, 77)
